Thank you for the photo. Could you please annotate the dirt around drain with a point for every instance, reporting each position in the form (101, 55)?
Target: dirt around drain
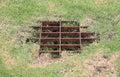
(101, 65)
(45, 60)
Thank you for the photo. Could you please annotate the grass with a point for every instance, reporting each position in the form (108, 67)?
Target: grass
(102, 15)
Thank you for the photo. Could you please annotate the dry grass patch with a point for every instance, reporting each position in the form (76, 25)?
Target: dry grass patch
(52, 7)
(8, 60)
(103, 1)
(98, 65)
(45, 60)
(101, 65)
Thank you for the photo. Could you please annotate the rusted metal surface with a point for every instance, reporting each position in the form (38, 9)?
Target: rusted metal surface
(59, 37)
(63, 34)
(66, 28)
(63, 46)
(63, 39)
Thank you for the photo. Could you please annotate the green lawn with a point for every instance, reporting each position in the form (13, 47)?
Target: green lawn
(15, 15)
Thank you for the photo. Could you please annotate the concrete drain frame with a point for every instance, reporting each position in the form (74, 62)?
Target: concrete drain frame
(55, 37)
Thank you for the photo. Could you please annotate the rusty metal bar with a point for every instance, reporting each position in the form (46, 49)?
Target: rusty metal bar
(62, 45)
(43, 51)
(83, 34)
(63, 39)
(60, 35)
(40, 40)
(80, 39)
(63, 27)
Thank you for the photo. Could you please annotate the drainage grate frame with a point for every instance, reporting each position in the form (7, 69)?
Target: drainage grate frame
(56, 37)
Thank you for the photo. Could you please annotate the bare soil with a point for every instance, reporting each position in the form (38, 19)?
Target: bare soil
(102, 65)
(98, 65)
